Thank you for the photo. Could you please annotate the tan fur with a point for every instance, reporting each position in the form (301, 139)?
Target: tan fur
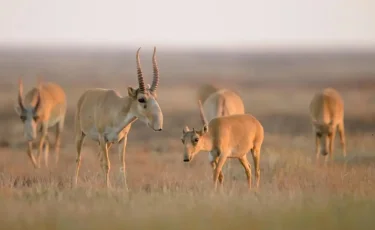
(225, 137)
(50, 112)
(105, 116)
(205, 90)
(222, 103)
(327, 115)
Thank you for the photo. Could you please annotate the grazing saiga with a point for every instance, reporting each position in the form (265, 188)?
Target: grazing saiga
(43, 106)
(327, 115)
(217, 102)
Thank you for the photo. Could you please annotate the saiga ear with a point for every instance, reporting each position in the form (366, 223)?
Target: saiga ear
(205, 129)
(18, 109)
(153, 93)
(185, 130)
(132, 92)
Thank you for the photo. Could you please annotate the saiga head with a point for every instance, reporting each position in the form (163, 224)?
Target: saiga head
(28, 113)
(146, 108)
(323, 131)
(193, 140)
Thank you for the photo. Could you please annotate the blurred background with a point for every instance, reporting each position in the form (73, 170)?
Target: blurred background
(276, 49)
(275, 54)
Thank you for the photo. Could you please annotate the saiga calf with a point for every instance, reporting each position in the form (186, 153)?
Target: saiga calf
(226, 137)
(218, 102)
(327, 116)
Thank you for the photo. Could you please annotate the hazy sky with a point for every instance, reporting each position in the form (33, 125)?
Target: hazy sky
(188, 22)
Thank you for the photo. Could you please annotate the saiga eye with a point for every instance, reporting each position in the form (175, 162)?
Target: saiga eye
(141, 100)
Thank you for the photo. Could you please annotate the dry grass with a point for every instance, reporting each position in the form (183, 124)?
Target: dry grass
(167, 193)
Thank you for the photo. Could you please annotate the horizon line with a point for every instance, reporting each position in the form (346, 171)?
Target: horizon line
(176, 47)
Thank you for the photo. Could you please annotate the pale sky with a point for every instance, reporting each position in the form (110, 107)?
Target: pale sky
(223, 23)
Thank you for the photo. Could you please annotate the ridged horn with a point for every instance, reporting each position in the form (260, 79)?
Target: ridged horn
(155, 80)
(203, 117)
(20, 93)
(139, 73)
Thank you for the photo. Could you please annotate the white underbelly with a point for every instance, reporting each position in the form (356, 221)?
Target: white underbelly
(93, 134)
(232, 153)
(211, 157)
(110, 134)
(53, 121)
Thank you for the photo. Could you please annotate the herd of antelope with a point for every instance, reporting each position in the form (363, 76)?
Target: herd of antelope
(105, 116)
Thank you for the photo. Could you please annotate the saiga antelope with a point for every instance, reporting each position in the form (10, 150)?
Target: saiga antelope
(219, 102)
(327, 116)
(44, 105)
(226, 137)
(105, 116)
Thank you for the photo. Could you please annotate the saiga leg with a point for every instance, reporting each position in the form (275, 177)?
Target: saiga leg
(341, 130)
(331, 144)
(46, 151)
(245, 163)
(44, 133)
(317, 147)
(218, 169)
(256, 158)
(213, 161)
(59, 129)
(30, 153)
(79, 143)
(100, 155)
(122, 153)
(105, 163)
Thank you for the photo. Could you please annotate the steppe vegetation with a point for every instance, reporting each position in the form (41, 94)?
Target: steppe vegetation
(166, 193)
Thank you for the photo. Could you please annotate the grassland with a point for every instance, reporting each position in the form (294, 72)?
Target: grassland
(165, 192)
